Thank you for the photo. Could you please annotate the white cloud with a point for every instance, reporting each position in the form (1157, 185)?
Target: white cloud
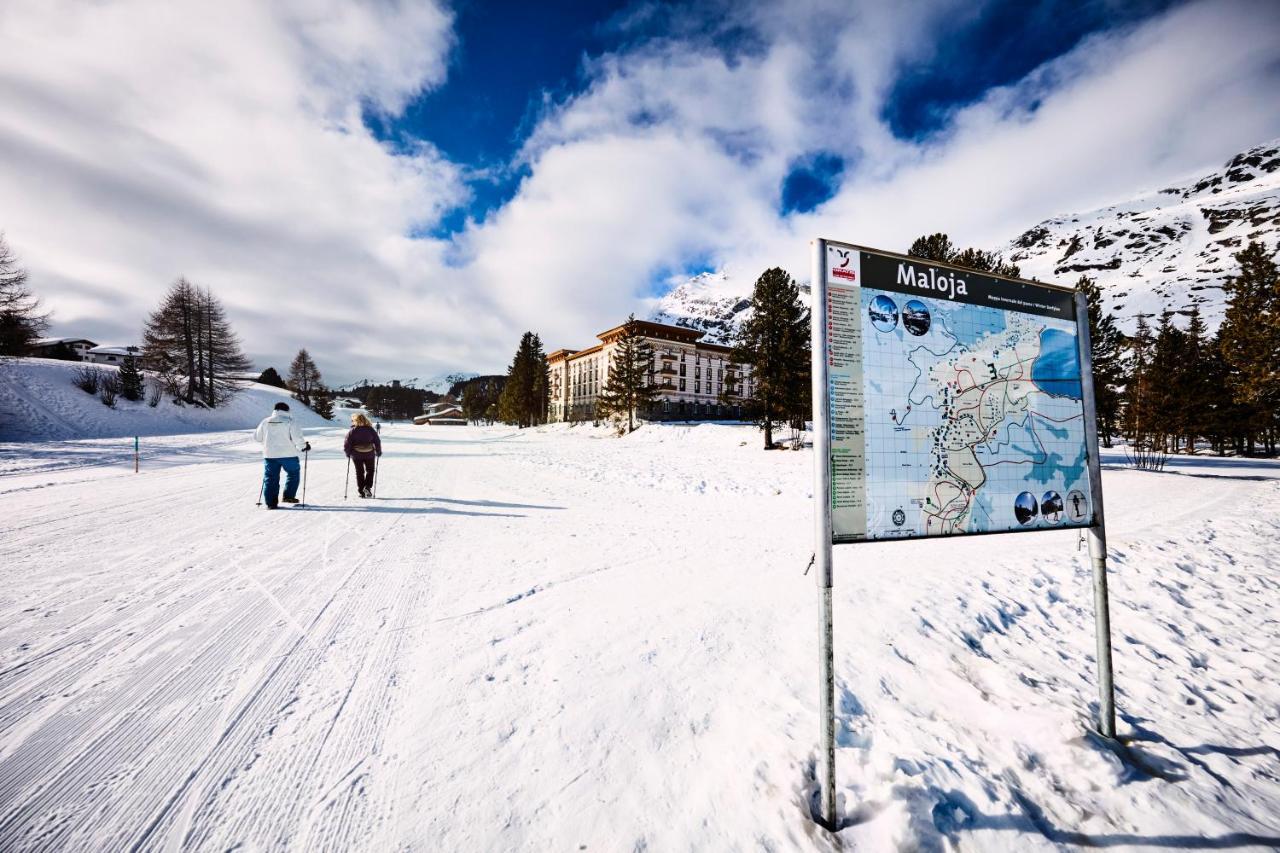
(143, 141)
(227, 144)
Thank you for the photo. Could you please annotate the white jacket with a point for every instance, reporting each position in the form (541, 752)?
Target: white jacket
(279, 436)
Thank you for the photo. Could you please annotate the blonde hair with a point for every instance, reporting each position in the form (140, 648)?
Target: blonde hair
(359, 419)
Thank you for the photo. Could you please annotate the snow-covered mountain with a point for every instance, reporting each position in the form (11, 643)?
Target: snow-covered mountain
(442, 383)
(1171, 247)
(711, 302)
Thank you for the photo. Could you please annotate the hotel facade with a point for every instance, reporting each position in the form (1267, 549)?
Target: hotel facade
(691, 377)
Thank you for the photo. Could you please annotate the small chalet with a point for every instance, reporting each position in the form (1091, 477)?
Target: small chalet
(112, 355)
(444, 413)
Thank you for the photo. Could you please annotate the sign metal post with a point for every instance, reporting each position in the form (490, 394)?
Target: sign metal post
(826, 775)
(1098, 530)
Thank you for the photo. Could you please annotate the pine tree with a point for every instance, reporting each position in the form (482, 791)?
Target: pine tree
(1250, 342)
(131, 383)
(189, 342)
(629, 388)
(1194, 385)
(774, 343)
(271, 377)
(1166, 422)
(524, 396)
(304, 377)
(322, 402)
(938, 247)
(1139, 410)
(1106, 346)
(21, 322)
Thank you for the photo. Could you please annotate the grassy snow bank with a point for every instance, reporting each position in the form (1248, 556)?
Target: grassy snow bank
(38, 402)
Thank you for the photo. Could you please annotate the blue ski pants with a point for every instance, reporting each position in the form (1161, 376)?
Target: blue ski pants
(271, 478)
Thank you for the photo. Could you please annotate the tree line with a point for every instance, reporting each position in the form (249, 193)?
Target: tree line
(1171, 389)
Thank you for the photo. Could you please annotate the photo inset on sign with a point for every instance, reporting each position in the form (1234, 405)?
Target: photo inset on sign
(1051, 507)
(915, 317)
(1077, 506)
(884, 313)
(1024, 508)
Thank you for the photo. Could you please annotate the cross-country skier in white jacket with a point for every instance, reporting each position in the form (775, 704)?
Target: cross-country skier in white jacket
(281, 442)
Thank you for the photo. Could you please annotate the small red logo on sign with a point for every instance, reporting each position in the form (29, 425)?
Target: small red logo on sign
(843, 273)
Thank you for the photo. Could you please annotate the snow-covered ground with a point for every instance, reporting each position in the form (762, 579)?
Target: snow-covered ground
(556, 640)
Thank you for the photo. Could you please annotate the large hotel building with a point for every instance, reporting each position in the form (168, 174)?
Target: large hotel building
(691, 376)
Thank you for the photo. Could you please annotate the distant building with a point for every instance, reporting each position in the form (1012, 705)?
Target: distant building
(54, 347)
(444, 413)
(347, 403)
(112, 355)
(691, 376)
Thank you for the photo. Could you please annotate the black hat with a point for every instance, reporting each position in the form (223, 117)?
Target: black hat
(282, 407)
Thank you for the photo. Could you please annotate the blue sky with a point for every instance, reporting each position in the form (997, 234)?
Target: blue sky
(405, 186)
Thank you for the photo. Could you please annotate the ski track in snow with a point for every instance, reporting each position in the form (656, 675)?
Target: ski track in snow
(554, 639)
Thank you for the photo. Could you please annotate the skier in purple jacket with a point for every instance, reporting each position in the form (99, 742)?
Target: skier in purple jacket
(363, 446)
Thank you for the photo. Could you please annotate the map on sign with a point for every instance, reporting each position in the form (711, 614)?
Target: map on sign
(956, 401)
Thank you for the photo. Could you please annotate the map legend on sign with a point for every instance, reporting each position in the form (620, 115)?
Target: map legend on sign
(845, 390)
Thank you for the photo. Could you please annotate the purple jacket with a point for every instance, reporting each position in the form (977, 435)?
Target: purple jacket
(362, 436)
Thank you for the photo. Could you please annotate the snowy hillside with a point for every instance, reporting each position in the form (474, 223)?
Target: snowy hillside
(39, 403)
(1170, 248)
(549, 639)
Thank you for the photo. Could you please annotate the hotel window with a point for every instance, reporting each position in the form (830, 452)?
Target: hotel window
(681, 384)
(697, 387)
(682, 371)
(719, 374)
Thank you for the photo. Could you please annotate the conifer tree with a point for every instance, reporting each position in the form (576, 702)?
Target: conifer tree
(774, 343)
(131, 384)
(271, 377)
(938, 247)
(322, 403)
(1106, 343)
(1250, 342)
(21, 322)
(1165, 406)
(1139, 411)
(189, 341)
(524, 396)
(629, 388)
(304, 377)
(1194, 384)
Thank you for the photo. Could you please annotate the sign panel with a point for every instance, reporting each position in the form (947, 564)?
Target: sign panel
(956, 401)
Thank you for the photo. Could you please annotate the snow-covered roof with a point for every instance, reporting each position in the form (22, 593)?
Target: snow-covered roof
(116, 350)
(53, 342)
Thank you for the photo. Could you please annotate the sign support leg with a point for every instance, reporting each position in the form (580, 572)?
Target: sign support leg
(1098, 530)
(1102, 619)
(826, 770)
(827, 701)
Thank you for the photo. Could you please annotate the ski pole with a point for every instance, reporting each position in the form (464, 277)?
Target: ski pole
(373, 487)
(262, 487)
(347, 487)
(306, 457)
